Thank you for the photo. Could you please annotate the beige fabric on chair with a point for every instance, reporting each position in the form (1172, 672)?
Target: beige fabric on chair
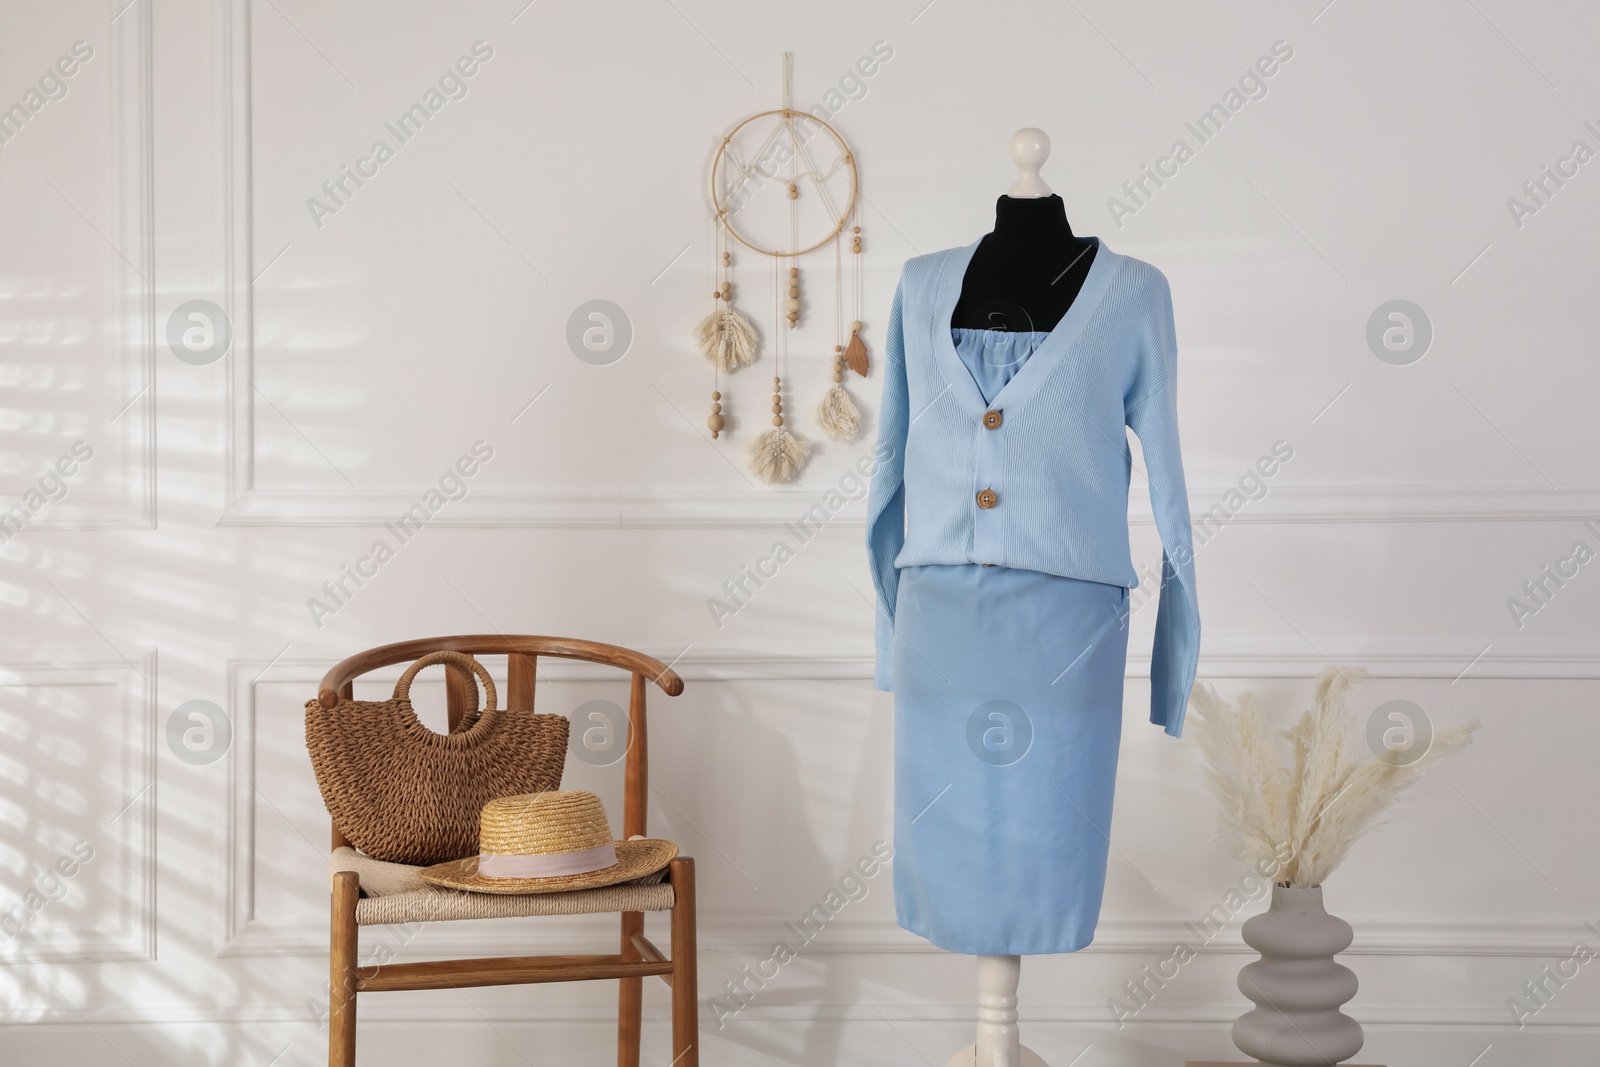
(393, 893)
(378, 877)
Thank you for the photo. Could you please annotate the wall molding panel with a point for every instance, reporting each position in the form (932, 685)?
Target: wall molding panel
(131, 935)
(251, 505)
(246, 935)
(127, 437)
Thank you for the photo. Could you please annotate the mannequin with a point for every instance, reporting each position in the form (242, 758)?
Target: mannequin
(996, 540)
(1023, 277)
(1026, 274)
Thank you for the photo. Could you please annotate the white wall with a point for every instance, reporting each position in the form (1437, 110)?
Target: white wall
(424, 316)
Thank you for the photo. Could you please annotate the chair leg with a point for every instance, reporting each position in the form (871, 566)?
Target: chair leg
(630, 996)
(685, 980)
(342, 971)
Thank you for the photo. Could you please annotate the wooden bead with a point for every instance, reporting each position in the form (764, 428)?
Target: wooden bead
(727, 257)
(777, 420)
(838, 348)
(853, 229)
(776, 380)
(794, 272)
(716, 409)
(715, 423)
(716, 394)
(838, 377)
(777, 409)
(794, 290)
(855, 327)
(794, 191)
(794, 305)
(727, 287)
(716, 294)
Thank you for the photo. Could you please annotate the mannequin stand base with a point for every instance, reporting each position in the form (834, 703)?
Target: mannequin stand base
(968, 1057)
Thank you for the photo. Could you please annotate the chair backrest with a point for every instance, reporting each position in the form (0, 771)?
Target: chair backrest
(522, 654)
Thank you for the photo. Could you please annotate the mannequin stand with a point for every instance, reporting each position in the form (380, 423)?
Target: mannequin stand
(999, 1042)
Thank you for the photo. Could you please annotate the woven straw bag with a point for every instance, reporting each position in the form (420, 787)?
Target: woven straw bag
(403, 793)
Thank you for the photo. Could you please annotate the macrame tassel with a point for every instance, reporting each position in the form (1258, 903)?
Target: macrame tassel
(778, 455)
(837, 415)
(727, 338)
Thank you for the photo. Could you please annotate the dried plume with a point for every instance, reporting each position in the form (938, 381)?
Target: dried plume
(1302, 814)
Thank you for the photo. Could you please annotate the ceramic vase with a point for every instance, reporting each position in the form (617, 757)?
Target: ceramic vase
(1296, 985)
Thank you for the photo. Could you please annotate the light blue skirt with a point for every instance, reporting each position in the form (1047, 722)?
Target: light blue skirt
(1008, 713)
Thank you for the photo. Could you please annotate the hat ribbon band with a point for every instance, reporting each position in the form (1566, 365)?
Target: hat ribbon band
(552, 865)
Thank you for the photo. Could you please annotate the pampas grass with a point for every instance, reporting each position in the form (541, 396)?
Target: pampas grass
(1300, 816)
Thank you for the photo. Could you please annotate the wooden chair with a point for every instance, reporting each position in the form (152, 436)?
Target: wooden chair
(637, 958)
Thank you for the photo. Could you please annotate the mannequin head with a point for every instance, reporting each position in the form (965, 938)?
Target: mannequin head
(1030, 147)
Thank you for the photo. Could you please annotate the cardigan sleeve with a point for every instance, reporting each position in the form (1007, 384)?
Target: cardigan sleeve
(1152, 414)
(886, 524)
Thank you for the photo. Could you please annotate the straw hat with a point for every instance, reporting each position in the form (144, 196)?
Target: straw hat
(549, 843)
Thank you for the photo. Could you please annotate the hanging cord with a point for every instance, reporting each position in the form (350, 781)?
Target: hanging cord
(855, 310)
(780, 341)
(794, 185)
(716, 421)
(716, 305)
(839, 291)
(719, 274)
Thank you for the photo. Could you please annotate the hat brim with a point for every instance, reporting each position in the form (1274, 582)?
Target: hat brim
(635, 859)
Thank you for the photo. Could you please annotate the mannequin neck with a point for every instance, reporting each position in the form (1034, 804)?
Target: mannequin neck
(1036, 220)
(1025, 275)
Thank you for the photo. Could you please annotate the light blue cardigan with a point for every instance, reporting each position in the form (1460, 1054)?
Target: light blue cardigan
(1059, 461)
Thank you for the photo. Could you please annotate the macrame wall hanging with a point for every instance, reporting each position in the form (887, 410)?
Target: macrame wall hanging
(769, 195)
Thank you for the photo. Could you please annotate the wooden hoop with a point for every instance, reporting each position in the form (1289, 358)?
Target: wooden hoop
(722, 211)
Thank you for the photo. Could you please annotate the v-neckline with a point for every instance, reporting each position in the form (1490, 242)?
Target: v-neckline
(1044, 359)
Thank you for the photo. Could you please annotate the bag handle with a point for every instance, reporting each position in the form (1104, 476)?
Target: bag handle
(402, 688)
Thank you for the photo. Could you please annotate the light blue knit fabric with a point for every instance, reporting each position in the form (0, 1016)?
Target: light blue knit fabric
(1059, 462)
(993, 357)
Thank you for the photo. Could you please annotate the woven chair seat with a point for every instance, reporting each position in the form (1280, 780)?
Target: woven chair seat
(393, 893)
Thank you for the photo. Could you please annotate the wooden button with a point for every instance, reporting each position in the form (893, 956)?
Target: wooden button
(992, 419)
(987, 499)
